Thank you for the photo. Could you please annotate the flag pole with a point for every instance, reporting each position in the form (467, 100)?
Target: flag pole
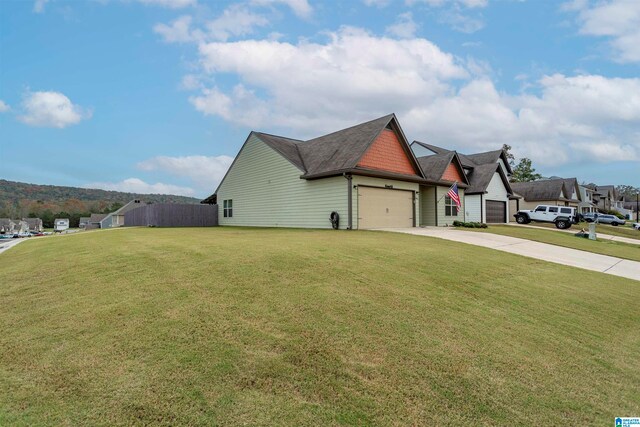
(443, 196)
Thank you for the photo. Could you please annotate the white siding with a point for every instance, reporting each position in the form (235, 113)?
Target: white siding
(267, 191)
(495, 191)
(472, 208)
(379, 182)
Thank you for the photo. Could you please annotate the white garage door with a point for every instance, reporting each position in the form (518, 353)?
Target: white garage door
(383, 208)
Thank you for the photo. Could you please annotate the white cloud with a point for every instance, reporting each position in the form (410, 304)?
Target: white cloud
(38, 6)
(4, 107)
(461, 22)
(376, 3)
(51, 109)
(301, 8)
(179, 31)
(619, 20)
(136, 185)
(236, 20)
(313, 88)
(457, 3)
(404, 27)
(171, 4)
(205, 172)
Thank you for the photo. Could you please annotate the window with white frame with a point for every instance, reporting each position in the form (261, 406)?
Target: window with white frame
(227, 206)
(450, 207)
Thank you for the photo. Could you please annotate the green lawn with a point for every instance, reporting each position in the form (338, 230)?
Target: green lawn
(555, 237)
(229, 326)
(619, 230)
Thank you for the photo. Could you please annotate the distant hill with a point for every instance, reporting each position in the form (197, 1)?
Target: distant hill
(21, 200)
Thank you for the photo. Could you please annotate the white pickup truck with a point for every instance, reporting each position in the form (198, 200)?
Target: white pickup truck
(561, 216)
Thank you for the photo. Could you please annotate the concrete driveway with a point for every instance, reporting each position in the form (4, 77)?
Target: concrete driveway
(575, 229)
(543, 251)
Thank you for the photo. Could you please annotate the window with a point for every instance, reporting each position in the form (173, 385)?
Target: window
(553, 209)
(227, 208)
(450, 208)
(565, 210)
(541, 209)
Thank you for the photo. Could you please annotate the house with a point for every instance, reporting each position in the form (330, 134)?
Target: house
(587, 203)
(13, 226)
(367, 174)
(556, 191)
(6, 226)
(60, 224)
(487, 197)
(34, 224)
(606, 196)
(84, 221)
(94, 221)
(116, 218)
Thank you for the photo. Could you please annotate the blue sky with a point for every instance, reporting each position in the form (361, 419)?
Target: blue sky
(159, 95)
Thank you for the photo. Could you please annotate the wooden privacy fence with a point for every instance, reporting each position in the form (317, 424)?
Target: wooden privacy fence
(172, 215)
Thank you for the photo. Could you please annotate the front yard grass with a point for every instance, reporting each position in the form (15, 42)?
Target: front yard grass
(230, 326)
(567, 240)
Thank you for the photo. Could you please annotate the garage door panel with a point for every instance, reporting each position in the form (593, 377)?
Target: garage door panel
(496, 211)
(381, 207)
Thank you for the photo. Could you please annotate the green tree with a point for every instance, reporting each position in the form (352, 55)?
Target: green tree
(510, 157)
(524, 172)
(627, 190)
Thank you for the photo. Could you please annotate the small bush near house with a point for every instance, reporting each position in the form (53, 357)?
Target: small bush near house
(469, 224)
(612, 212)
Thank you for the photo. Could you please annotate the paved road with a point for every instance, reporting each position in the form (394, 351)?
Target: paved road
(557, 254)
(575, 229)
(9, 243)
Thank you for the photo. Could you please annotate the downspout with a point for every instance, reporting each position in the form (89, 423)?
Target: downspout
(349, 201)
(481, 207)
(435, 198)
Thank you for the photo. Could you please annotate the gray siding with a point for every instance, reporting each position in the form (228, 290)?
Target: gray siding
(448, 220)
(428, 206)
(267, 191)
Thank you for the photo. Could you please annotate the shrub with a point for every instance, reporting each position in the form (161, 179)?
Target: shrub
(469, 224)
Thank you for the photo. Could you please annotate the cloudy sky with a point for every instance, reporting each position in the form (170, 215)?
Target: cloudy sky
(159, 95)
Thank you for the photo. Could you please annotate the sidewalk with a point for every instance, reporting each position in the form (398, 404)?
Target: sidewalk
(574, 230)
(543, 251)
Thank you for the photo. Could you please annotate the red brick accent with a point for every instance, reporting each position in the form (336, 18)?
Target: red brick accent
(386, 154)
(452, 174)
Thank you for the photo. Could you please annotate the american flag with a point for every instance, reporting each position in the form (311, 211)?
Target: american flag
(453, 193)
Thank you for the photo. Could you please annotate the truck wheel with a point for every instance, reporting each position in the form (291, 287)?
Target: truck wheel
(562, 224)
(615, 224)
(521, 219)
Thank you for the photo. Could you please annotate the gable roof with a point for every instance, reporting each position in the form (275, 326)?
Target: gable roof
(481, 175)
(546, 189)
(97, 217)
(287, 147)
(433, 167)
(481, 167)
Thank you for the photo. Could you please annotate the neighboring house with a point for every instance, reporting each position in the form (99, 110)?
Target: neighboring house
(367, 173)
(94, 221)
(116, 218)
(6, 225)
(558, 191)
(35, 224)
(487, 197)
(606, 195)
(587, 203)
(84, 221)
(60, 224)
(13, 226)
